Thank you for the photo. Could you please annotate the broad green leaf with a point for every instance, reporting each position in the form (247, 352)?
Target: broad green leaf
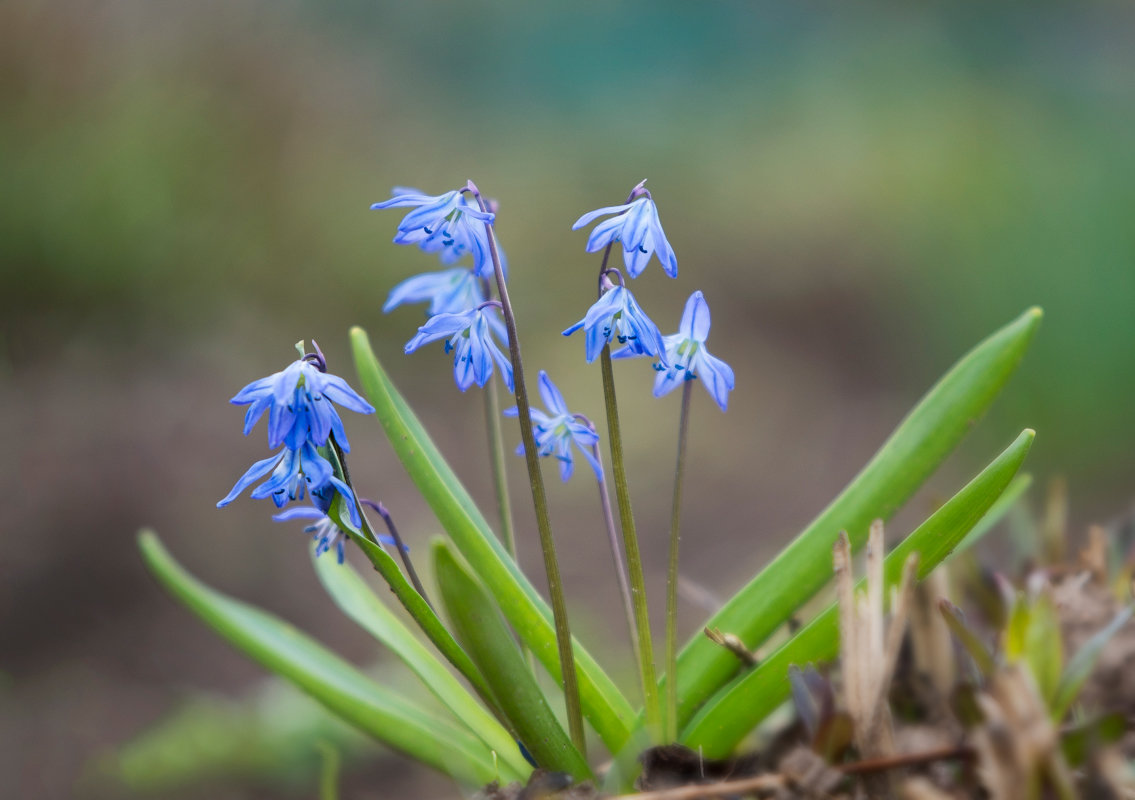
(1004, 503)
(280, 648)
(736, 709)
(488, 640)
(920, 443)
(604, 706)
(1081, 665)
(351, 593)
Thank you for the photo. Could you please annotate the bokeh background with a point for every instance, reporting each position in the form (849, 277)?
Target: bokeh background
(862, 194)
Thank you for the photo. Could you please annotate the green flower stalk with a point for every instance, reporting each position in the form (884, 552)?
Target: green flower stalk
(539, 496)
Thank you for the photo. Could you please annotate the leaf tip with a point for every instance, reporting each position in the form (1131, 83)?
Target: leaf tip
(148, 541)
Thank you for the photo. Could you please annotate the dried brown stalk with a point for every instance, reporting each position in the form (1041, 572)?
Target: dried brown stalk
(868, 650)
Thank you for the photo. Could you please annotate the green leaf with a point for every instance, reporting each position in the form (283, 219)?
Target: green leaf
(264, 737)
(351, 593)
(919, 444)
(604, 706)
(414, 603)
(736, 709)
(1004, 503)
(342, 689)
(485, 635)
(1081, 665)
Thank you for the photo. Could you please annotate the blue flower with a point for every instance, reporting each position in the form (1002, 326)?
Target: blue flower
(687, 357)
(616, 315)
(556, 430)
(636, 225)
(324, 531)
(446, 224)
(299, 405)
(449, 291)
(291, 472)
(469, 336)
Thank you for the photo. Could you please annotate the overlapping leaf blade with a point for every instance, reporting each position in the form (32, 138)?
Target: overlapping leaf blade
(351, 593)
(486, 637)
(740, 706)
(920, 443)
(603, 704)
(280, 648)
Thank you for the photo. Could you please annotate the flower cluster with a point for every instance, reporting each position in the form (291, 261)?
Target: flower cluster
(302, 418)
(617, 316)
(459, 308)
(446, 224)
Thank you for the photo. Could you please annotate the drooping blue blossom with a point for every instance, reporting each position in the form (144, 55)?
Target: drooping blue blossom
(446, 224)
(469, 336)
(636, 225)
(687, 358)
(616, 316)
(291, 472)
(299, 401)
(449, 291)
(556, 430)
(323, 531)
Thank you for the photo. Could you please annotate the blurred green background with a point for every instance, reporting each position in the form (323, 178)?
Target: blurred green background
(862, 194)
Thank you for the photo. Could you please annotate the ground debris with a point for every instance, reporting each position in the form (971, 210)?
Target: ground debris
(947, 707)
(542, 785)
(674, 765)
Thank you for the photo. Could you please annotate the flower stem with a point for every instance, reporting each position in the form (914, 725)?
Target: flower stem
(403, 551)
(617, 554)
(539, 499)
(497, 460)
(630, 544)
(672, 572)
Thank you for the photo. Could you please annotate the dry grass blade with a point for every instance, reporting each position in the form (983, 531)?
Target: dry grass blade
(869, 651)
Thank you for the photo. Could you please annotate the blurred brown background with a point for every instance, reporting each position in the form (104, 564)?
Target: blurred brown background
(862, 195)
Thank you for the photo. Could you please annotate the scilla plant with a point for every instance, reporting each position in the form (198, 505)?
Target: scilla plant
(475, 641)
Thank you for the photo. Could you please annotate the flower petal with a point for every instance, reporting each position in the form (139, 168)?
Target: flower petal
(606, 232)
(254, 473)
(717, 376)
(668, 380)
(666, 255)
(421, 288)
(599, 212)
(550, 394)
(299, 512)
(695, 318)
